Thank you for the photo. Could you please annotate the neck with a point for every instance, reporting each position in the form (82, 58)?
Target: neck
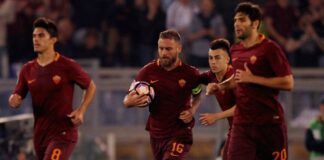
(46, 57)
(251, 40)
(173, 66)
(221, 74)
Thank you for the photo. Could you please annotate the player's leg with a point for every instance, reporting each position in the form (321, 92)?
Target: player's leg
(241, 144)
(177, 148)
(274, 144)
(156, 147)
(59, 150)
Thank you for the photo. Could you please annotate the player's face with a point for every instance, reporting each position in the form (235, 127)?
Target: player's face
(42, 40)
(218, 60)
(242, 25)
(168, 50)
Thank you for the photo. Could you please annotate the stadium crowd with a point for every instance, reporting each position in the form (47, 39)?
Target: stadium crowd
(123, 32)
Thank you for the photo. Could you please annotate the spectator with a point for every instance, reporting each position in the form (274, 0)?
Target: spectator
(280, 19)
(150, 22)
(91, 48)
(65, 43)
(314, 139)
(119, 27)
(205, 26)
(307, 43)
(19, 38)
(179, 16)
(7, 15)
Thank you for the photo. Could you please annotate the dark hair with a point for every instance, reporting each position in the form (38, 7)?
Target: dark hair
(221, 43)
(47, 24)
(170, 34)
(253, 11)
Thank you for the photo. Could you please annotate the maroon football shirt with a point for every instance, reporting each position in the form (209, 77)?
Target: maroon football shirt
(173, 90)
(51, 88)
(226, 98)
(257, 104)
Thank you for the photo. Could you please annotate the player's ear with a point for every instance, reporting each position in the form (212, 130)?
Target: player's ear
(54, 39)
(179, 49)
(256, 24)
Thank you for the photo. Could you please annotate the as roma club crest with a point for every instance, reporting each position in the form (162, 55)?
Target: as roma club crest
(56, 79)
(253, 59)
(182, 83)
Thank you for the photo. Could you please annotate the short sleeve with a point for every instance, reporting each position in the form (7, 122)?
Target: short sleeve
(205, 78)
(278, 60)
(78, 75)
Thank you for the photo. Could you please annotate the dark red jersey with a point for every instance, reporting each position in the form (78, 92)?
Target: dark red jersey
(226, 98)
(257, 104)
(173, 90)
(51, 88)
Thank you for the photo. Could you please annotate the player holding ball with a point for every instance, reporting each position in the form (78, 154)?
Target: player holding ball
(177, 97)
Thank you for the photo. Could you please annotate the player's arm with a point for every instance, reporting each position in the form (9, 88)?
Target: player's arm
(187, 115)
(20, 91)
(195, 103)
(246, 76)
(132, 99)
(77, 116)
(211, 118)
(213, 88)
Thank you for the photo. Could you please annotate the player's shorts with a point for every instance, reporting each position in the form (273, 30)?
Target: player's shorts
(174, 148)
(266, 142)
(58, 148)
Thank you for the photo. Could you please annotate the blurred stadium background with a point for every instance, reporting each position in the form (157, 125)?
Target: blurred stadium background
(113, 38)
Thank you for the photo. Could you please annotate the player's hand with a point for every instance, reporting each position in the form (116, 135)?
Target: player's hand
(208, 118)
(186, 116)
(243, 76)
(77, 117)
(15, 100)
(133, 99)
(212, 88)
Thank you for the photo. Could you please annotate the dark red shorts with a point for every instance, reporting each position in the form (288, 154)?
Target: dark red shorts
(57, 148)
(267, 142)
(175, 148)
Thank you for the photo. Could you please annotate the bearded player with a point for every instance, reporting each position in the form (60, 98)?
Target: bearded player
(177, 96)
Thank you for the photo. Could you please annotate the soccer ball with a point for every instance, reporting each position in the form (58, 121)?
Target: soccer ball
(142, 87)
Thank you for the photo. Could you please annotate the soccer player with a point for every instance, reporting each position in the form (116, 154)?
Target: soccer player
(50, 79)
(220, 71)
(261, 71)
(177, 97)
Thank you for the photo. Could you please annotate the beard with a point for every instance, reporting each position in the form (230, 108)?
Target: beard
(167, 62)
(244, 34)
